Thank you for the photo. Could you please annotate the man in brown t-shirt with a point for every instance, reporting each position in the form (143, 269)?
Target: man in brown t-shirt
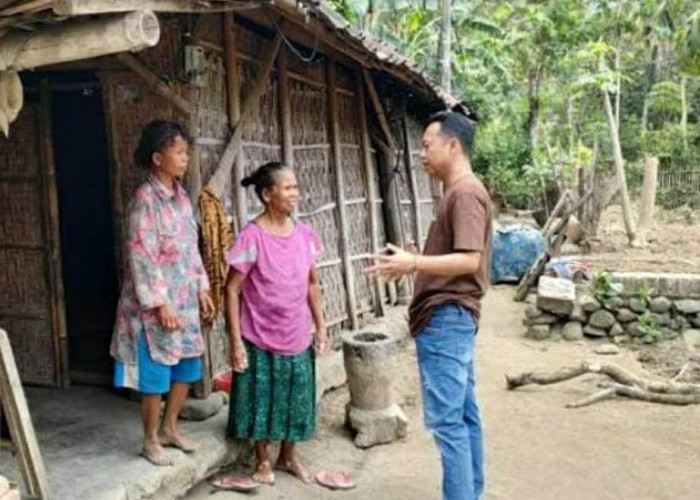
(451, 278)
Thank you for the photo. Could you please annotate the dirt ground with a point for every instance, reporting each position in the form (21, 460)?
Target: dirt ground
(672, 244)
(536, 449)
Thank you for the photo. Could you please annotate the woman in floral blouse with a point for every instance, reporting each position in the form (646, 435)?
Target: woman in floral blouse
(157, 341)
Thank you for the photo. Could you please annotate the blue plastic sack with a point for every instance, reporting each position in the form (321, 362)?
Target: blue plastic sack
(514, 250)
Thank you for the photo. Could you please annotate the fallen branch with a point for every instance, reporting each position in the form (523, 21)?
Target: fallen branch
(624, 383)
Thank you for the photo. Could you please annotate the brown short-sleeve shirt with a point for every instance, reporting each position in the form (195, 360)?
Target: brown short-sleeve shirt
(462, 224)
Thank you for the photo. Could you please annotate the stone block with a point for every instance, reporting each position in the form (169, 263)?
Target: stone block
(556, 295)
(578, 314)
(634, 329)
(607, 349)
(573, 330)
(602, 319)
(660, 305)
(614, 304)
(593, 332)
(687, 306)
(638, 305)
(616, 330)
(589, 303)
(541, 319)
(626, 316)
(539, 332)
(375, 427)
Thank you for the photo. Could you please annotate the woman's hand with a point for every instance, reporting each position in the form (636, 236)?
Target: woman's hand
(322, 345)
(167, 318)
(239, 356)
(206, 306)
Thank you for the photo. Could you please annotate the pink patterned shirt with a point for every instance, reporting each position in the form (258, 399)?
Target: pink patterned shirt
(275, 312)
(163, 266)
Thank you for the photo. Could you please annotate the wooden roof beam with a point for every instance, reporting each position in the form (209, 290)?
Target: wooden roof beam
(89, 7)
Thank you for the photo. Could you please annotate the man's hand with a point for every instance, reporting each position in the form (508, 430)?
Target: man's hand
(167, 318)
(394, 266)
(206, 306)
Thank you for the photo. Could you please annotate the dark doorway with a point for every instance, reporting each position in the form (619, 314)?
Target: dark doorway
(87, 232)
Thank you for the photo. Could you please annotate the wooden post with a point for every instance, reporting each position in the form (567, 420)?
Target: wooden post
(19, 420)
(285, 108)
(412, 184)
(193, 177)
(233, 91)
(223, 170)
(648, 200)
(58, 322)
(370, 178)
(336, 155)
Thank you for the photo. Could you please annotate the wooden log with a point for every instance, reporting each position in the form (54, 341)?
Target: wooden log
(223, 170)
(25, 7)
(155, 83)
(19, 420)
(75, 41)
(648, 200)
(285, 108)
(59, 329)
(370, 179)
(561, 203)
(378, 108)
(336, 155)
(90, 7)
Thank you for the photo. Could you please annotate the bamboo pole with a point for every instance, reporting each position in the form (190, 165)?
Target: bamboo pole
(412, 184)
(285, 108)
(233, 91)
(334, 130)
(59, 327)
(370, 179)
(72, 42)
(378, 109)
(155, 83)
(223, 171)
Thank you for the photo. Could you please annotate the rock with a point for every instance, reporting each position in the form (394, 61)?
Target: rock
(202, 409)
(638, 305)
(572, 331)
(607, 349)
(660, 305)
(616, 330)
(669, 334)
(377, 426)
(589, 303)
(626, 316)
(538, 332)
(661, 319)
(541, 319)
(578, 314)
(634, 329)
(614, 304)
(556, 331)
(532, 312)
(695, 321)
(602, 319)
(692, 339)
(680, 323)
(591, 331)
(556, 295)
(687, 306)
(621, 339)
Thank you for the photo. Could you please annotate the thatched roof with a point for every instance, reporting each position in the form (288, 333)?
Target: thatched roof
(28, 15)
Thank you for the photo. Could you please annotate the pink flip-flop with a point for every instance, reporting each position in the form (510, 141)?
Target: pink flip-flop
(335, 480)
(235, 483)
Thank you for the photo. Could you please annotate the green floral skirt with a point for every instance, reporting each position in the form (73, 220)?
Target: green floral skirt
(274, 399)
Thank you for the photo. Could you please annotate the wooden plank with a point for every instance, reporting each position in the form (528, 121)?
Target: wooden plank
(155, 83)
(285, 108)
(19, 420)
(59, 329)
(336, 155)
(226, 163)
(370, 179)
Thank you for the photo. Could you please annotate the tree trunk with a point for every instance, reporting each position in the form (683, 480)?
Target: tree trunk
(646, 206)
(684, 110)
(533, 97)
(651, 78)
(445, 46)
(620, 171)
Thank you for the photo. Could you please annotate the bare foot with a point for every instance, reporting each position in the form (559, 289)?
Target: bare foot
(263, 473)
(154, 453)
(176, 440)
(295, 467)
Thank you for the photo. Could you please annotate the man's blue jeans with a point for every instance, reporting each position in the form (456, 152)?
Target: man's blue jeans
(445, 349)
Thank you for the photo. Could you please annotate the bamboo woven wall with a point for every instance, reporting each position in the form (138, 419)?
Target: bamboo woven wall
(25, 303)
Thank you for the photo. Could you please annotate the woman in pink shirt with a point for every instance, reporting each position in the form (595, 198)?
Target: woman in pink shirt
(273, 295)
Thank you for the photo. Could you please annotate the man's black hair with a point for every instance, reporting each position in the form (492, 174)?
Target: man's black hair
(155, 137)
(455, 125)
